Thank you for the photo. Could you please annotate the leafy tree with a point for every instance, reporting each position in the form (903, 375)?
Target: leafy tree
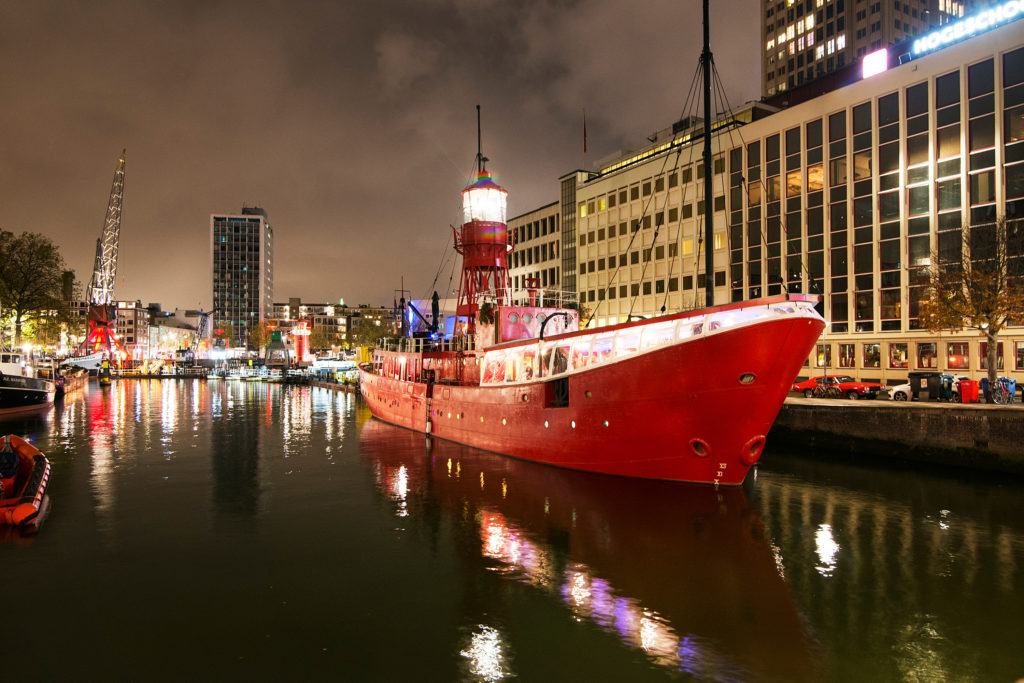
(976, 280)
(259, 336)
(368, 332)
(31, 275)
(320, 338)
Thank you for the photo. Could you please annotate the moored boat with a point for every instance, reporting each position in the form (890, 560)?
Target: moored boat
(24, 476)
(688, 396)
(19, 390)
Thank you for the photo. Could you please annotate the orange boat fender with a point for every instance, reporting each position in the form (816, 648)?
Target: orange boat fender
(750, 452)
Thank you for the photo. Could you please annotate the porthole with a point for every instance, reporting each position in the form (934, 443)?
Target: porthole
(605, 423)
(587, 393)
(504, 421)
(527, 317)
(545, 424)
(513, 317)
(700, 447)
(573, 424)
(747, 378)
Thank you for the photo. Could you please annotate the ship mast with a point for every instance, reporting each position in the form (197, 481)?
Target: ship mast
(709, 214)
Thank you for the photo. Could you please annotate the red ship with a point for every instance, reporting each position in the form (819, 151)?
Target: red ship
(683, 397)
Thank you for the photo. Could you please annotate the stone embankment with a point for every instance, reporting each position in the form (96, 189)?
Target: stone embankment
(987, 437)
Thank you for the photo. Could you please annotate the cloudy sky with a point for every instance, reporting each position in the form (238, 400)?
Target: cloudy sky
(352, 122)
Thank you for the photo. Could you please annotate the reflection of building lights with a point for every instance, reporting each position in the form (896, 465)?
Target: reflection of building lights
(486, 660)
(827, 550)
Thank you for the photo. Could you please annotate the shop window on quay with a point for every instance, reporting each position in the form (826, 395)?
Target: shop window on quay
(1018, 355)
(847, 356)
(823, 355)
(898, 356)
(983, 355)
(872, 355)
(927, 355)
(957, 356)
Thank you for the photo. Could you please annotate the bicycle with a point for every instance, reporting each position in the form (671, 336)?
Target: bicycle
(831, 391)
(1000, 392)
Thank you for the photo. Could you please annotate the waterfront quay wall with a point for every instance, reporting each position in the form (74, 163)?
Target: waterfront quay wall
(986, 437)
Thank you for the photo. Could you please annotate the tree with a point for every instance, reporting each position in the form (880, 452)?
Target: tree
(368, 332)
(31, 276)
(976, 280)
(320, 338)
(259, 336)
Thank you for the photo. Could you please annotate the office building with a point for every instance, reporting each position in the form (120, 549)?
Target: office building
(846, 195)
(242, 262)
(535, 261)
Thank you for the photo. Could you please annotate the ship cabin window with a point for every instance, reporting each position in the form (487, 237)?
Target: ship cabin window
(560, 358)
(626, 344)
(658, 334)
(602, 349)
(529, 363)
(580, 354)
(494, 368)
(514, 366)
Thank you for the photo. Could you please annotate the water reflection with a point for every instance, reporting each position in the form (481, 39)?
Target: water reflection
(683, 575)
(919, 568)
(234, 451)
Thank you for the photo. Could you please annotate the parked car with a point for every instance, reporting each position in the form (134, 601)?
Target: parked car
(900, 392)
(844, 385)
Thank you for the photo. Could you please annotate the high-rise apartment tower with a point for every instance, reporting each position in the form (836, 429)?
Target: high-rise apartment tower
(242, 261)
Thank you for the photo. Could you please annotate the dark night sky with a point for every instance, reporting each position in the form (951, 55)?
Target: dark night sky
(352, 123)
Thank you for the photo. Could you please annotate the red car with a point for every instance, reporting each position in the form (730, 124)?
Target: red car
(843, 385)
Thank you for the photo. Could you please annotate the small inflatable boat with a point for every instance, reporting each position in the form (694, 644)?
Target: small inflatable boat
(24, 475)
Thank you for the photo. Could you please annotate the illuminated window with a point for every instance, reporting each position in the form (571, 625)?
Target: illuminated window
(687, 247)
(810, 39)
(719, 240)
(800, 26)
(831, 47)
(841, 41)
(583, 210)
(782, 38)
(789, 33)
(601, 205)
(800, 43)
(810, 22)
(771, 45)
(819, 52)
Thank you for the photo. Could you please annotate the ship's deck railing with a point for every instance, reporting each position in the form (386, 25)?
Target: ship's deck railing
(426, 345)
(544, 297)
(527, 362)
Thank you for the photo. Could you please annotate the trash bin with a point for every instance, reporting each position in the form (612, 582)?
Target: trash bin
(984, 387)
(968, 391)
(931, 386)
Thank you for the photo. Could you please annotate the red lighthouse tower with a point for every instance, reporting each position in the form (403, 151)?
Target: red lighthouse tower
(483, 242)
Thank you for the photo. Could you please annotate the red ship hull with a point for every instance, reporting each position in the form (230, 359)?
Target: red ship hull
(680, 413)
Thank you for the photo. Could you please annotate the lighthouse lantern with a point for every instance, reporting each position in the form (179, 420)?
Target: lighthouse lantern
(484, 200)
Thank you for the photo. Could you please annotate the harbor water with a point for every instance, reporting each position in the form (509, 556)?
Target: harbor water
(215, 530)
